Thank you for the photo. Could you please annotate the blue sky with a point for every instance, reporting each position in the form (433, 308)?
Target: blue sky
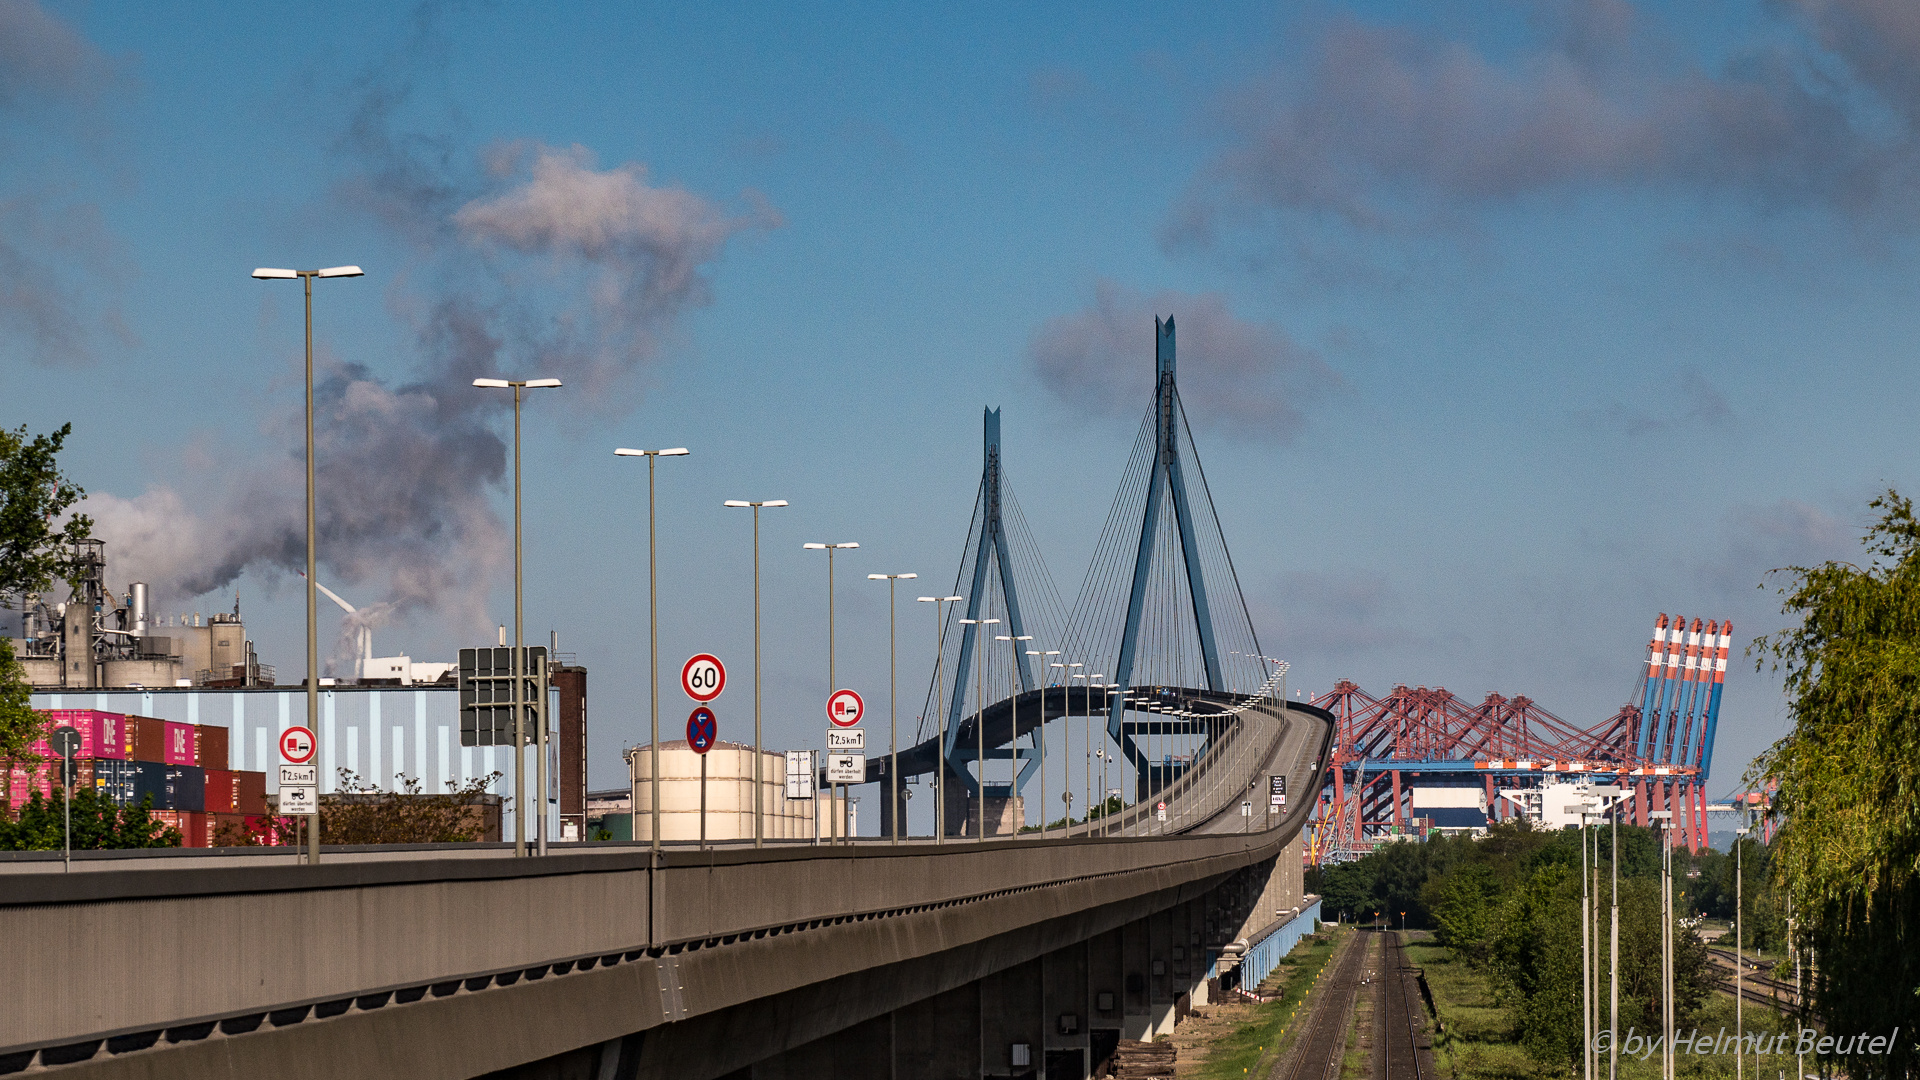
(1504, 327)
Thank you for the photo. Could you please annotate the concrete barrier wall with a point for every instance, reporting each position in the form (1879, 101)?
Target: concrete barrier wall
(115, 951)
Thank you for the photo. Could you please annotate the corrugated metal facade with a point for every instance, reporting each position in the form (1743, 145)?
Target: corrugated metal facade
(375, 731)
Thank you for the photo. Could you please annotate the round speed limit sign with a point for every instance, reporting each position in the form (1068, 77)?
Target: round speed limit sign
(703, 677)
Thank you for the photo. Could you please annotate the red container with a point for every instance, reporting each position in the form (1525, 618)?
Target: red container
(222, 789)
(163, 741)
(210, 747)
(259, 825)
(193, 826)
(231, 792)
(102, 734)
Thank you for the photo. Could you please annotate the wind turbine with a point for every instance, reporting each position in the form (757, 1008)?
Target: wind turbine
(364, 633)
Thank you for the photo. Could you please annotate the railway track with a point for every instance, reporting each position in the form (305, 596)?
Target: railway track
(1398, 1021)
(1322, 1045)
(1755, 984)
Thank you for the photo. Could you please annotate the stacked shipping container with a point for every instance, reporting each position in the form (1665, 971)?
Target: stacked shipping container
(182, 768)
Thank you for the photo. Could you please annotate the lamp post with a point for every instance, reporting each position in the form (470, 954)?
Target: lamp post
(833, 828)
(653, 633)
(313, 647)
(939, 681)
(1613, 957)
(1739, 956)
(1093, 681)
(894, 808)
(980, 722)
(1663, 820)
(1586, 939)
(759, 829)
(1040, 734)
(520, 672)
(1013, 744)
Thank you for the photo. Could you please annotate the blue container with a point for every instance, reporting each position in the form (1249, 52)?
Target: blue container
(172, 787)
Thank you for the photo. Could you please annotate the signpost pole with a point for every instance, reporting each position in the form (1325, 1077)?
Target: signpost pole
(703, 802)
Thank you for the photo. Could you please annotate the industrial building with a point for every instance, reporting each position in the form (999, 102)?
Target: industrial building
(107, 651)
(100, 638)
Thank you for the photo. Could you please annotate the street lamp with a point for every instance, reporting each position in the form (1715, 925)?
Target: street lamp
(759, 831)
(1739, 956)
(980, 722)
(1663, 820)
(833, 827)
(939, 681)
(1040, 736)
(894, 808)
(520, 647)
(1013, 744)
(313, 647)
(653, 631)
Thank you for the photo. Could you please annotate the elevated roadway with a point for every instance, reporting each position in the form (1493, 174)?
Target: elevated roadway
(609, 960)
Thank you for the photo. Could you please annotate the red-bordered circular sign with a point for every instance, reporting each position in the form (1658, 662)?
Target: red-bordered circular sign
(703, 730)
(845, 708)
(703, 677)
(296, 745)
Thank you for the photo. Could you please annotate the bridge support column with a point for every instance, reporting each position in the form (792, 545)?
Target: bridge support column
(938, 1038)
(1067, 1013)
(1010, 1015)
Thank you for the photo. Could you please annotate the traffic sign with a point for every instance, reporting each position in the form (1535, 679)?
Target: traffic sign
(65, 741)
(703, 677)
(1277, 784)
(846, 768)
(1161, 811)
(846, 739)
(299, 775)
(799, 774)
(299, 799)
(702, 730)
(296, 745)
(845, 708)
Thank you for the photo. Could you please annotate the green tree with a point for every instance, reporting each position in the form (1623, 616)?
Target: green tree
(98, 824)
(1848, 780)
(34, 551)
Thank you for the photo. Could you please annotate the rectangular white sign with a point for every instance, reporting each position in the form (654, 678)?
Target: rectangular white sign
(298, 799)
(799, 774)
(846, 768)
(846, 739)
(308, 775)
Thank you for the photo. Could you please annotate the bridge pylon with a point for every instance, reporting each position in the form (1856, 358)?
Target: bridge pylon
(1163, 561)
(999, 564)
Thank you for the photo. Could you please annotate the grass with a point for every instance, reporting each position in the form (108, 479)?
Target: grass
(1475, 1040)
(1252, 1047)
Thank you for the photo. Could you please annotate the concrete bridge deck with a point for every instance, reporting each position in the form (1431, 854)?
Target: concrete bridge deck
(459, 963)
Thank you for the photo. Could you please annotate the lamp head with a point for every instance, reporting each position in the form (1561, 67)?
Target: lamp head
(499, 384)
(344, 271)
(266, 273)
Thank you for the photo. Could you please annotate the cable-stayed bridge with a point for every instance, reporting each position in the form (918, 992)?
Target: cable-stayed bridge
(1000, 955)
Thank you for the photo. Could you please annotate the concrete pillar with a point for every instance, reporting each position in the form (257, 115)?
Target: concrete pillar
(1004, 815)
(1067, 1011)
(862, 1052)
(939, 1038)
(1106, 989)
(1010, 1020)
(1136, 965)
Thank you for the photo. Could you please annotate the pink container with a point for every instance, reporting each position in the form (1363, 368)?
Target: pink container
(102, 734)
(181, 748)
(23, 780)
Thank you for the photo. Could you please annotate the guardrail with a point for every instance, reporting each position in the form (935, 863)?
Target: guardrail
(1215, 782)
